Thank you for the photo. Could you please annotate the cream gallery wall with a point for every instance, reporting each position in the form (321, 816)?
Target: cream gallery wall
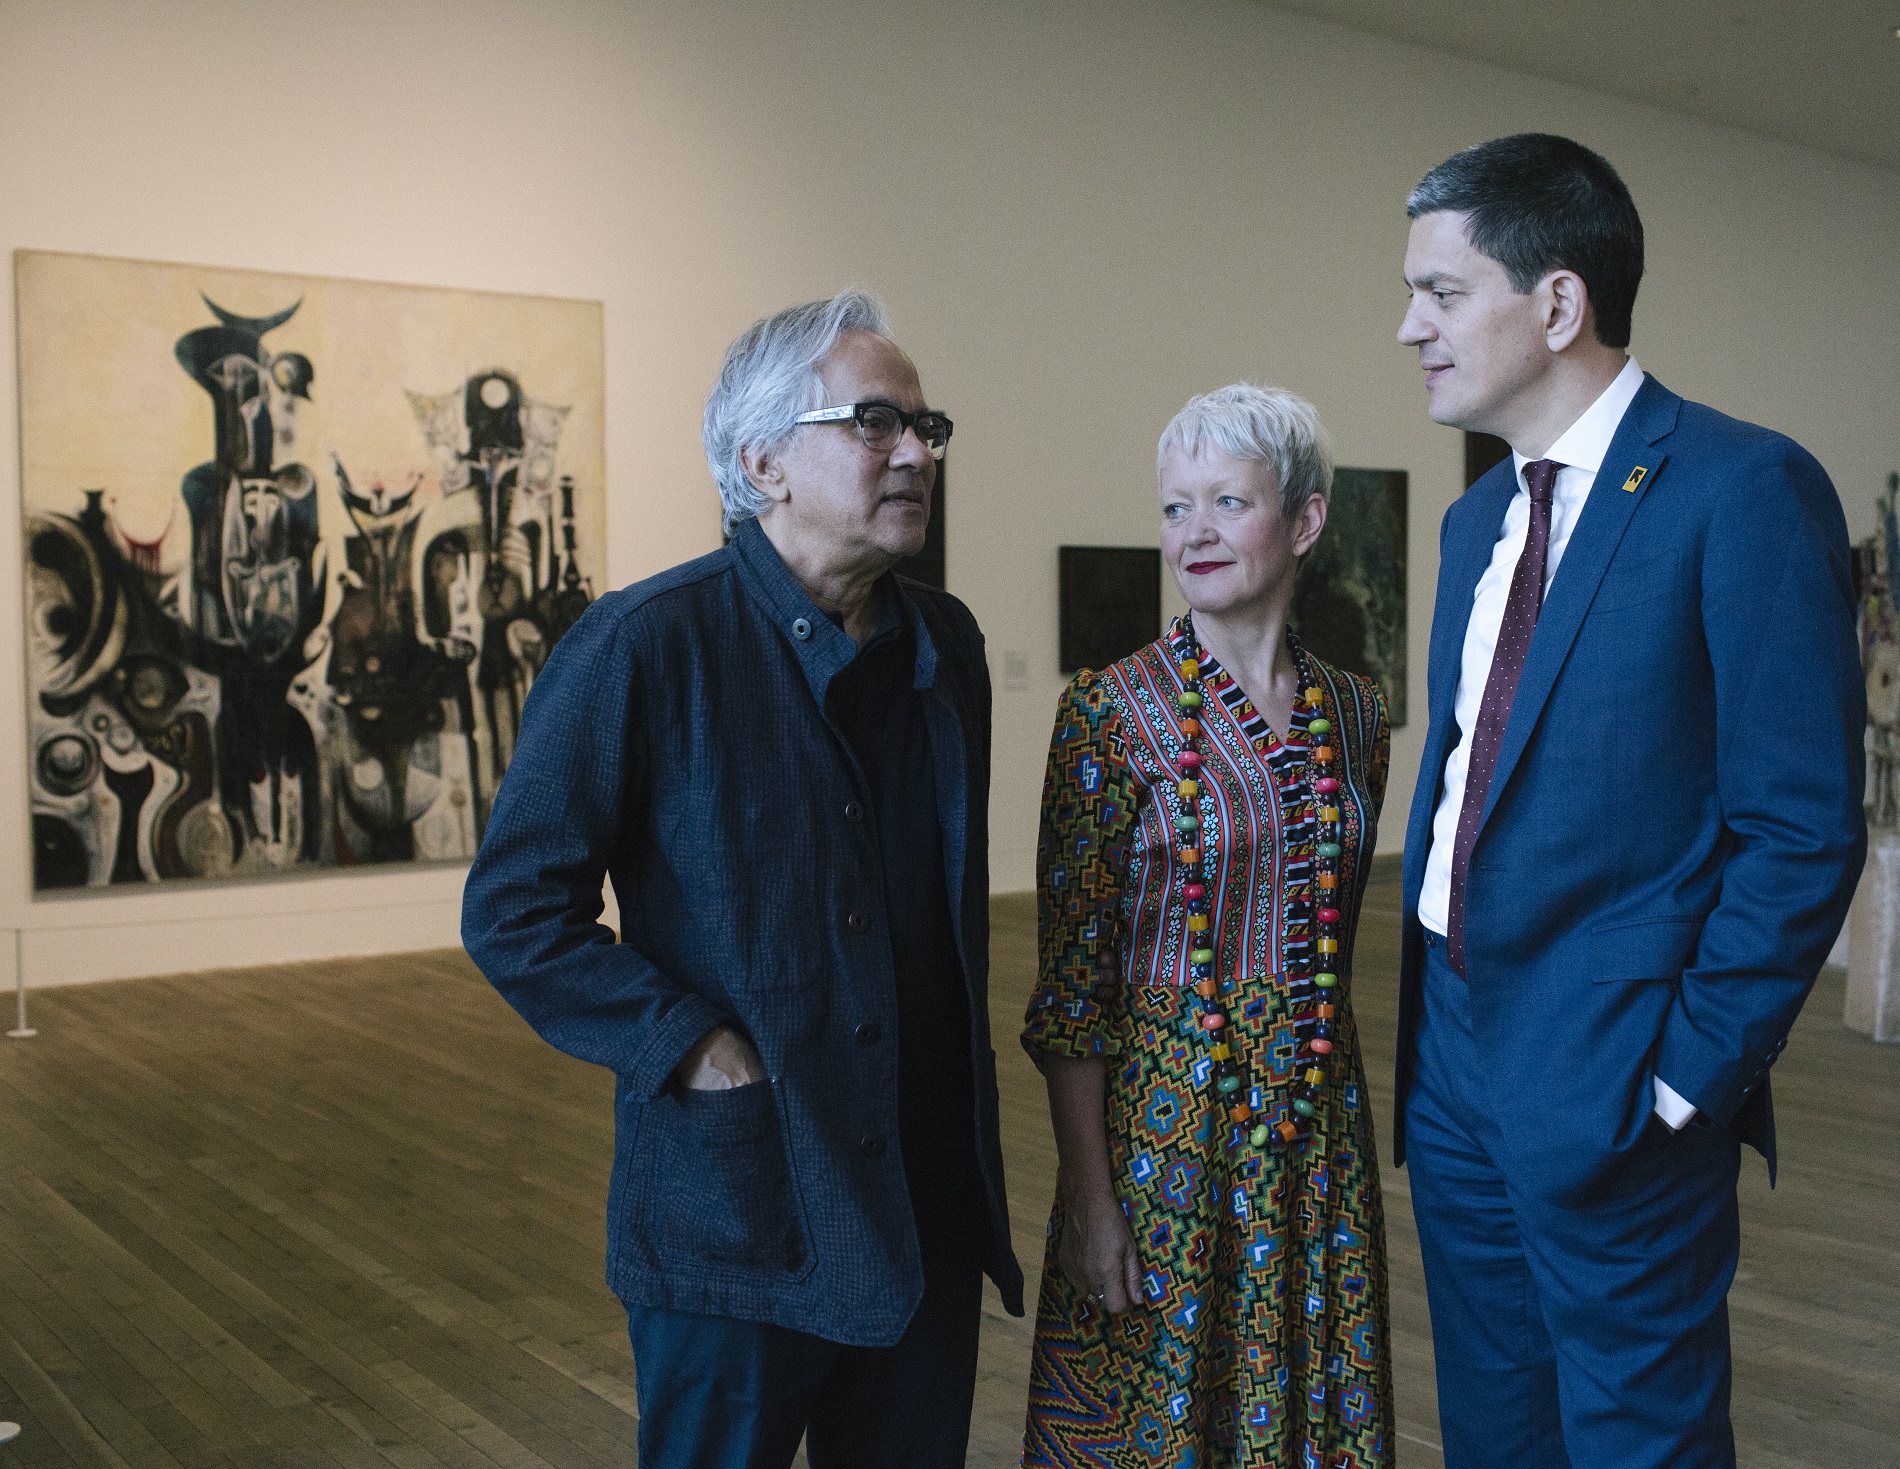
(1079, 211)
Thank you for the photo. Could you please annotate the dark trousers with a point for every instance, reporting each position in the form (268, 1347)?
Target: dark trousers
(1565, 1337)
(716, 1393)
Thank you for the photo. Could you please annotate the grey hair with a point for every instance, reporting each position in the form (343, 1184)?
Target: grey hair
(1267, 425)
(769, 377)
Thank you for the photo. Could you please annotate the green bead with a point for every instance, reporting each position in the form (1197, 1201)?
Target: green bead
(1329, 849)
(1303, 1107)
(1189, 699)
(1326, 980)
(1258, 1137)
(1321, 726)
(1202, 956)
(1186, 821)
(1228, 1085)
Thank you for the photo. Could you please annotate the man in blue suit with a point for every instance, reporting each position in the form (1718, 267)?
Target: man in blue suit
(1635, 835)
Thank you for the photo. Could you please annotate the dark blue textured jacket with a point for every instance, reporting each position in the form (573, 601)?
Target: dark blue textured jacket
(677, 743)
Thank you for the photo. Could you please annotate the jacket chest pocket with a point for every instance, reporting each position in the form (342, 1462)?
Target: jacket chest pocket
(1637, 583)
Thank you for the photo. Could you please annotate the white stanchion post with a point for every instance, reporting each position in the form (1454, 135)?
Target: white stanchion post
(21, 1030)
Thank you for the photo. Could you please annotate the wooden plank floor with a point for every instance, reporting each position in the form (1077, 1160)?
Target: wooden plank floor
(350, 1214)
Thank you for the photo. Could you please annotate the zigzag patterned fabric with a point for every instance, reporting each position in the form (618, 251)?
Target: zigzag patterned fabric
(1264, 1339)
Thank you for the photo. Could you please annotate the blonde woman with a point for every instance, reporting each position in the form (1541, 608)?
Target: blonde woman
(1214, 1292)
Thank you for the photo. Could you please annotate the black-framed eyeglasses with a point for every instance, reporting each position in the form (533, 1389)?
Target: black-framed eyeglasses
(881, 424)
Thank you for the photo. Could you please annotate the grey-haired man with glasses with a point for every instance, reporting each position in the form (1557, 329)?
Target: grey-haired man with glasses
(779, 754)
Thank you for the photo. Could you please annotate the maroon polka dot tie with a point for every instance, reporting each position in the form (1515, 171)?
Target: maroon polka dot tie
(1521, 607)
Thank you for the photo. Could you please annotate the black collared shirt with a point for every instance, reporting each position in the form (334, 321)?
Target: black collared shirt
(873, 701)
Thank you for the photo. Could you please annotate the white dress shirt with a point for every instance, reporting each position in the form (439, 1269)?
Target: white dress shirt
(1580, 450)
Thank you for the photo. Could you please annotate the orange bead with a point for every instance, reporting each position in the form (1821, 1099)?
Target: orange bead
(1287, 1131)
(1242, 1111)
(1322, 753)
(1326, 1012)
(1328, 881)
(1205, 988)
(1191, 855)
(1190, 729)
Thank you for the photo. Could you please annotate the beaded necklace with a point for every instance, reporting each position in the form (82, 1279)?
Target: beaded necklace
(1310, 1064)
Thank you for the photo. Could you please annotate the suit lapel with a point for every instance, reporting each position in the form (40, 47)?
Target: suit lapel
(1613, 499)
(1472, 534)
(1465, 563)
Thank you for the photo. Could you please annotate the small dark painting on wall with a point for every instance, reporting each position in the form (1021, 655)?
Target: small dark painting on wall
(1111, 603)
(927, 564)
(1349, 601)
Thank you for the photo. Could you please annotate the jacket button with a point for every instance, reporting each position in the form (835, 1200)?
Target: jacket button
(872, 1145)
(856, 922)
(854, 811)
(869, 1033)
(801, 628)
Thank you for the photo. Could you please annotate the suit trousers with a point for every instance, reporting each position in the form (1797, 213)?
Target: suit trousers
(1576, 1336)
(719, 1393)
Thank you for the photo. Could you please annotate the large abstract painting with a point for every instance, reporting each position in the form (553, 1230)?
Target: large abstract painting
(295, 550)
(1349, 600)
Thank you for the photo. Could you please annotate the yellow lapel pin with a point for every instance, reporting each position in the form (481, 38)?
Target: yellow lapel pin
(1635, 479)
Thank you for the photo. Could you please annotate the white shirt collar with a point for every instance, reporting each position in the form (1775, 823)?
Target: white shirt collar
(1585, 442)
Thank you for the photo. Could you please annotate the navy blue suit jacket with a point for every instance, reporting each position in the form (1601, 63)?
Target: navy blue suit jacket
(1674, 827)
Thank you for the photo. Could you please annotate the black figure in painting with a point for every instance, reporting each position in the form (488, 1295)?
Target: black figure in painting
(257, 580)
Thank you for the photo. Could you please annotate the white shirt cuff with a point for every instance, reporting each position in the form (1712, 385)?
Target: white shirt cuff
(1674, 1108)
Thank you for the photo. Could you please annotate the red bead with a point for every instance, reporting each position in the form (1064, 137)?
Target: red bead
(1326, 785)
(1190, 759)
(1195, 891)
(1325, 915)
(1322, 1048)
(1213, 1020)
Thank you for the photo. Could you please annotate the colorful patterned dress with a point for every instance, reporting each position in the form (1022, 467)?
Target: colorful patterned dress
(1264, 1339)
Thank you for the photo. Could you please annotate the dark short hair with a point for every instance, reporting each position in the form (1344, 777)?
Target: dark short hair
(1540, 203)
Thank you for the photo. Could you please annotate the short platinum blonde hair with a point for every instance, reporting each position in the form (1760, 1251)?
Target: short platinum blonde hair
(769, 377)
(1267, 425)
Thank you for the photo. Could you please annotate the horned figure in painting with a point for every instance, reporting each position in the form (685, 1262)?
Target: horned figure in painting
(257, 576)
(386, 697)
(495, 596)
